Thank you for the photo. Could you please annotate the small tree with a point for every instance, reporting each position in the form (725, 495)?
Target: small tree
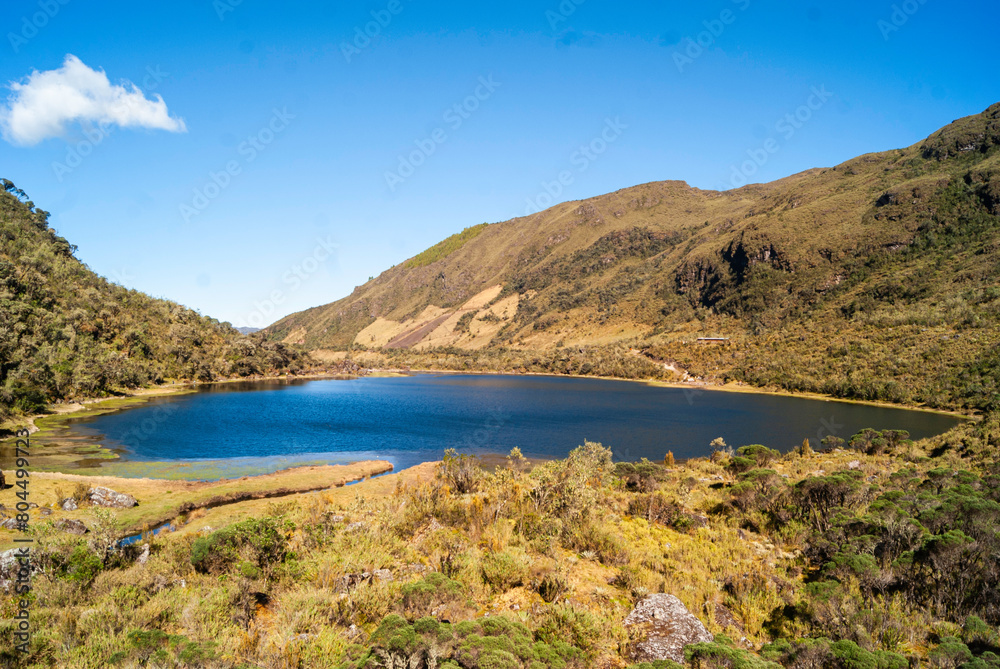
(104, 533)
(461, 471)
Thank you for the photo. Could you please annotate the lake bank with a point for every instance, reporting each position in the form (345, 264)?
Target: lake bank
(67, 449)
(163, 501)
(225, 429)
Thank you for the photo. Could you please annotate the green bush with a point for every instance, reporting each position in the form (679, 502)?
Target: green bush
(82, 565)
(721, 654)
(433, 591)
(761, 455)
(570, 625)
(254, 543)
(642, 476)
(489, 643)
(503, 570)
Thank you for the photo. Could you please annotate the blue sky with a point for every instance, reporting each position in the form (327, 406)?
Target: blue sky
(332, 163)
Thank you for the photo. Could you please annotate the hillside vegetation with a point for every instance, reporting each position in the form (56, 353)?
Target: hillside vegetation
(875, 279)
(878, 553)
(66, 332)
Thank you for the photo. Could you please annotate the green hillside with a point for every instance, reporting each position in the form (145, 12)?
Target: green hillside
(874, 279)
(67, 333)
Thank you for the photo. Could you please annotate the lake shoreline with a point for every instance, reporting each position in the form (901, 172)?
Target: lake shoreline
(51, 428)
(162, 501)
(702, 387)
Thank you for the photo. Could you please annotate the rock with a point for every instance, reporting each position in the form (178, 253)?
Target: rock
(350, 581)
(107, 497)
(144, 555)
(854, 464)
(12, 524)
(72, 527)
(356, 527)
(46, 512)
(665, 627)
(725, 618)
(415, 568)
(68, 504)
(9, 567)
(382, 575)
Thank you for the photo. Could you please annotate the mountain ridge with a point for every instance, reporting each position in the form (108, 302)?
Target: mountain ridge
(656, 265)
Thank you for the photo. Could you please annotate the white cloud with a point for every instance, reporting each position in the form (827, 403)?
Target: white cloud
(44, 104)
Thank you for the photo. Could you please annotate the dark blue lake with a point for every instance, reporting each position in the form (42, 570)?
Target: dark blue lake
(253, 427)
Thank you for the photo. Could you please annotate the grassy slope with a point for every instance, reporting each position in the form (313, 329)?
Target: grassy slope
(874, 279)
(892, 569)
(66, 332)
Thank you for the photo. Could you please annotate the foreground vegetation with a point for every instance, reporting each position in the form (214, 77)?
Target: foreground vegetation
(876, 553)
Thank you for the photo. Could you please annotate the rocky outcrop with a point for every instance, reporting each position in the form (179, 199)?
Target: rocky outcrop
(701, 280)
(663, 627)
(348, 582)
(68, 504)
(749, 251)
(107, 497)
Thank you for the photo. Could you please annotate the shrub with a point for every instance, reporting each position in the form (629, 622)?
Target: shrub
(504, 570)
(658, 508)
(762, 456)
(597, 538)
(82, 565)
(432, 592)
(260, 542)
(551, 585)
(758, 490)
(493, 643)
(570, 625)
(461, 471)
(643, 476)
(721, 654)
(851, 656)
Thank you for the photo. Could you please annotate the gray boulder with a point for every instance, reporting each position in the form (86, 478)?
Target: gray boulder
(663, 627)
(72, 527)
(68, 504)
(9, 568)
(109, 498)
